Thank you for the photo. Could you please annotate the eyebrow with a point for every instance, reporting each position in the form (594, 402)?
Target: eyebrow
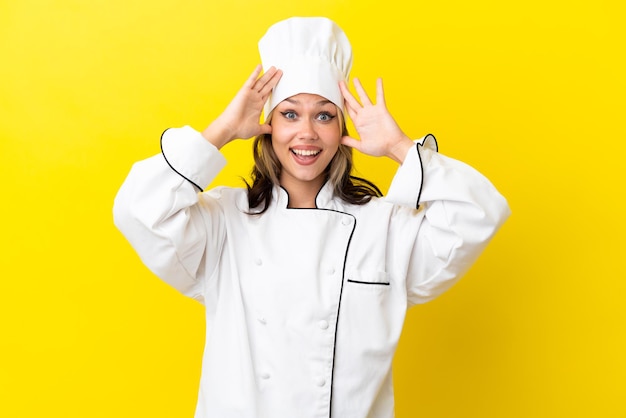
(297, 102)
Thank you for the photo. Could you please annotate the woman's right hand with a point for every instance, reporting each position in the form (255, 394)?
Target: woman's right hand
(240, 119)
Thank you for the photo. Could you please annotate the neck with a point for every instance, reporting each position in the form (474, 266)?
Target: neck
(302, 195)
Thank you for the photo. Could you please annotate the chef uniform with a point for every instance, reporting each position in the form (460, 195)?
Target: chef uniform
(304, 307)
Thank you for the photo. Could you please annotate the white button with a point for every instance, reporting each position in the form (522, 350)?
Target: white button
(265, 376)
(323, 324)
(346, 221)
(331, 271)
(258, 261)
(320, 382)
(262, 320)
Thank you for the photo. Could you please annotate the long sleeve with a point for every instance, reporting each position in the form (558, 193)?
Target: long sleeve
(461, 211)
(159, 211)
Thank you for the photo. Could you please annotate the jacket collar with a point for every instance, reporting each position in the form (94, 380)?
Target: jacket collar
(323, 200)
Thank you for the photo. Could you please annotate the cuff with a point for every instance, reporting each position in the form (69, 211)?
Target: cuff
(191, 156)
(406, 186)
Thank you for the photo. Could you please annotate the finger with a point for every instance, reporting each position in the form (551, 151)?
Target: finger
(361, 92)
(352, 113)
(265, 129)
(271, 82)
(349, 99)
(351, 142)
(380, 92)
(250, 82)
(263, 79)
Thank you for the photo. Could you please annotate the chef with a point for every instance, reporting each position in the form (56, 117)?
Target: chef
(307, 273)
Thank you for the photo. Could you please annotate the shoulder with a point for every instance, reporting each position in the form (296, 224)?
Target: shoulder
(381, 211)
(377, 206)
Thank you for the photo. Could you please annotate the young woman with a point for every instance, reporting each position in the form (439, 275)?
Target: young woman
(307, 274)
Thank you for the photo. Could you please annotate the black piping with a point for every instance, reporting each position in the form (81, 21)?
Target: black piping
(316, 195)
(419, 156)
(371, 283)
(434, 139)
(343, 275)
(168, 163)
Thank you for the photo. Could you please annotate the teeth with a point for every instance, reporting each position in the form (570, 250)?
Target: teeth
(305, 152)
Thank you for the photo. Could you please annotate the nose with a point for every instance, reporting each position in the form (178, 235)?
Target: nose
(307, 130)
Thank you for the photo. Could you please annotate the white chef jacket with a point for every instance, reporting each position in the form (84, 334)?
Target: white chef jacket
(304, 307)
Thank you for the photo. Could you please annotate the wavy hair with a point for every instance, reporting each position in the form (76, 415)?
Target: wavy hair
(267, 169)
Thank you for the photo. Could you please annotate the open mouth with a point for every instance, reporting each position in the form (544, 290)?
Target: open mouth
(305, 156)
(305, 152)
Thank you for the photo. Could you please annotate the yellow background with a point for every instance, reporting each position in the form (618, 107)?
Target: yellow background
(531, 93)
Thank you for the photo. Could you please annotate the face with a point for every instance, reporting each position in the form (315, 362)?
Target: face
(305, 137)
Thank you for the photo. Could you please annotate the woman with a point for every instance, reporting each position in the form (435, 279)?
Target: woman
(306, 275)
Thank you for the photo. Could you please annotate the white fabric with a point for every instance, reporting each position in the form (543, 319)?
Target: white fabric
(314, 55)
(304, 307)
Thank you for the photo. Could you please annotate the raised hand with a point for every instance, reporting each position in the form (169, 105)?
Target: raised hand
(240, 119)
(379, 133)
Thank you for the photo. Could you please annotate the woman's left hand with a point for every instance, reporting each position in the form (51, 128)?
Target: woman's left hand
(379, 133)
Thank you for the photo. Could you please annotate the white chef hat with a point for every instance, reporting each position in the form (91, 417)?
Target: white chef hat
(314, 55)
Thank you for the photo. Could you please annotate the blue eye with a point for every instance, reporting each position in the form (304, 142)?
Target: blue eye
(325, 117)
(289, 114)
